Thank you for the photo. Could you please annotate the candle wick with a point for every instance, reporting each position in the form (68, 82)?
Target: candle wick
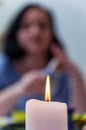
(47, 100)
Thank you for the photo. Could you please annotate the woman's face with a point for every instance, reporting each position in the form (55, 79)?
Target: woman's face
(35, 33)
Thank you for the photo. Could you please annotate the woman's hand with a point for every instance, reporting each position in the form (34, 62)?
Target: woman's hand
(32, 83)
(64, 60)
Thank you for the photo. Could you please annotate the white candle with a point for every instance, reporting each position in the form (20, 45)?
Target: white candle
(46, 115)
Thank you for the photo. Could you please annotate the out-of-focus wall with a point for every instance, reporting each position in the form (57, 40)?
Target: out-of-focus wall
(70, 17)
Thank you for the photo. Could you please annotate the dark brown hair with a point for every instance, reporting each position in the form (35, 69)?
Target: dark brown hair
(12, 49)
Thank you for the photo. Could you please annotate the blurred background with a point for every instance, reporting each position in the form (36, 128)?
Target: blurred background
(69, 25)
(70, 16)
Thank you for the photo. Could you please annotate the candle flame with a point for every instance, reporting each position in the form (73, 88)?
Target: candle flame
(47, 90)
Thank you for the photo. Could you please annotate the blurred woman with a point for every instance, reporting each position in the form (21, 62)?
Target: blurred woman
(30, 46)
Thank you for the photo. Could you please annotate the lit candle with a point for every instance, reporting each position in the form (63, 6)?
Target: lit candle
(46, 115)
